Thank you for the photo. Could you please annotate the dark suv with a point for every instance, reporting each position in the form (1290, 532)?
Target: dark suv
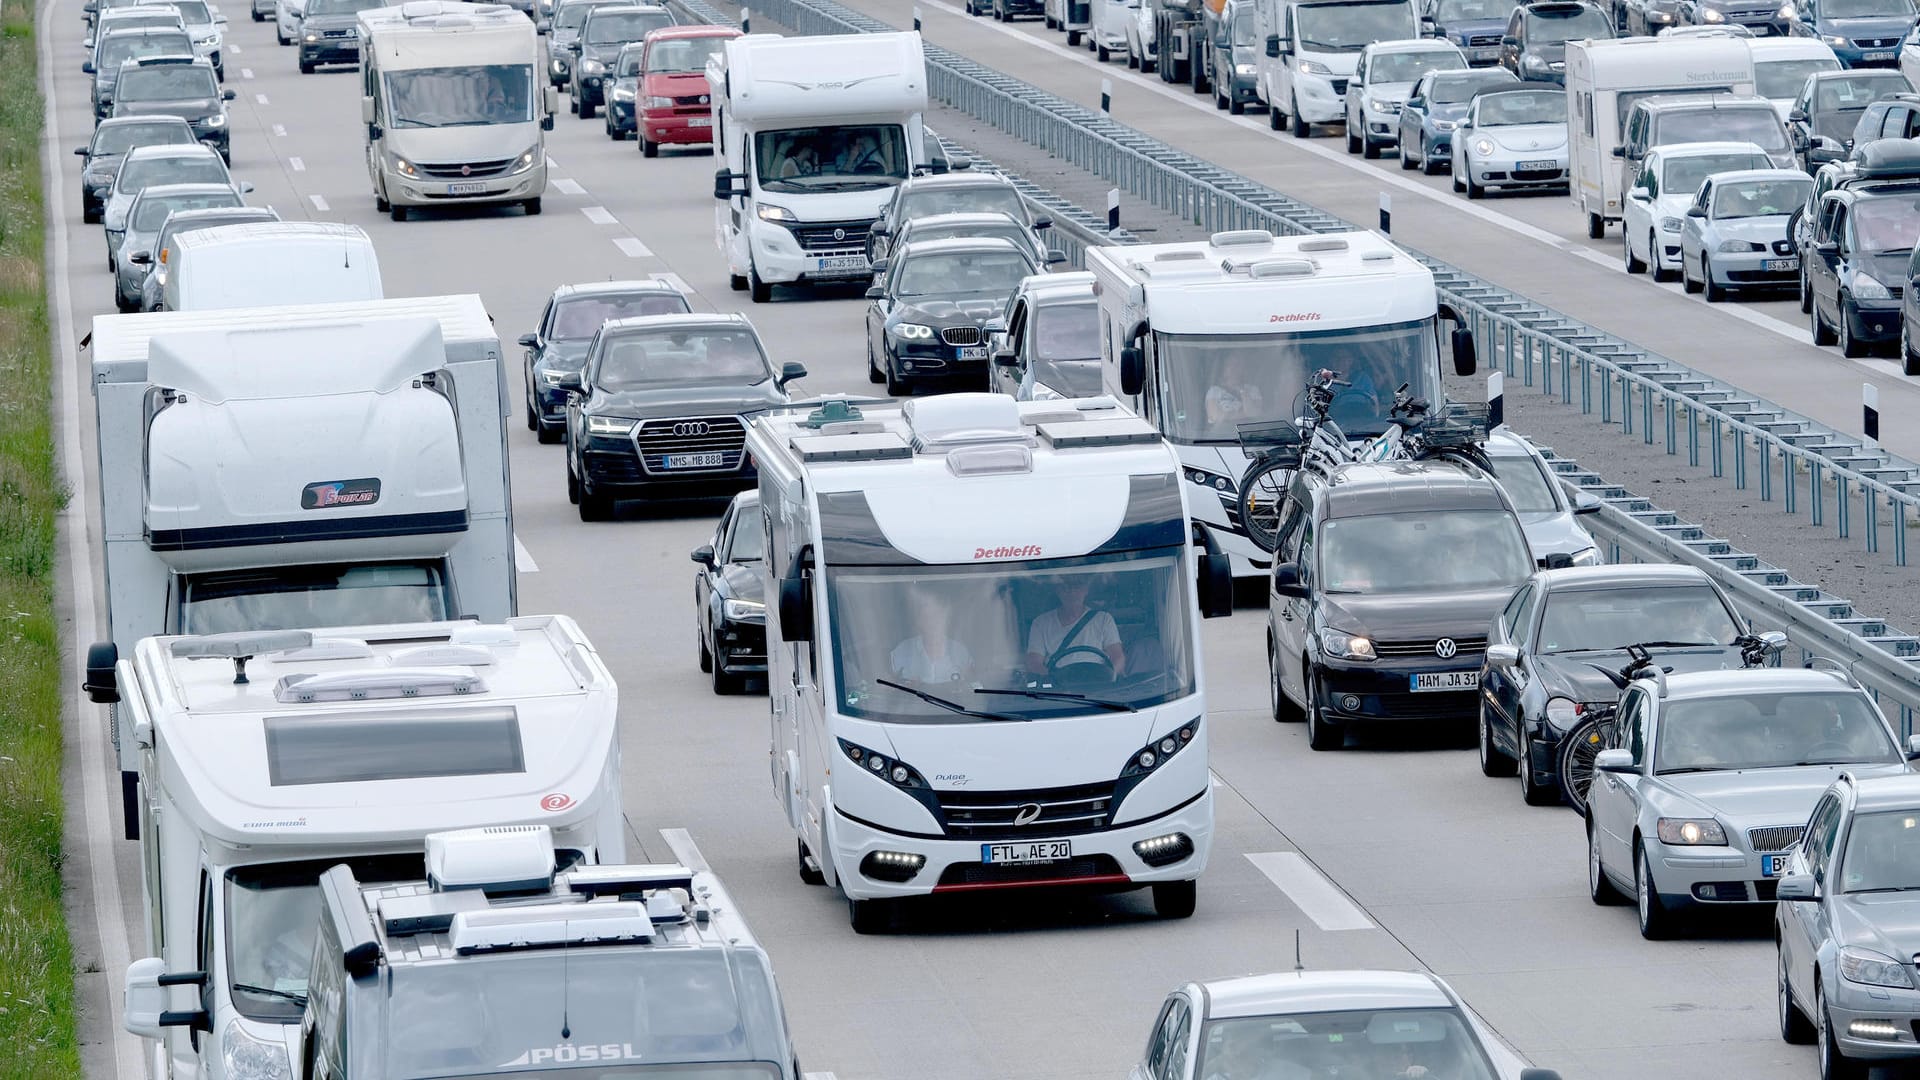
(606, 31)
(122, 45)
(1857, 263)
(963, 191)
(330, 32)
(1385, 580)
(1535, 45)
(182, 86)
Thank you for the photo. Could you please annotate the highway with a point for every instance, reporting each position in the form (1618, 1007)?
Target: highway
(1396, 853)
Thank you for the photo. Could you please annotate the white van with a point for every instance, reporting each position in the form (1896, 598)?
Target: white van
(1309, 49)
(1781, 66)
(269, 263)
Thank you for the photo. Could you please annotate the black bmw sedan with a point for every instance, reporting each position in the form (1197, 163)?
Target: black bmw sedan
(927, 314)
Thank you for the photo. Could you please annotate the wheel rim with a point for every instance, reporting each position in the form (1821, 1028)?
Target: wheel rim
(1273, 680)
(1785, 998)
(1825, 1036)
(1486, 739)
(1595, 878)
(1643, 890)
(1523, 759)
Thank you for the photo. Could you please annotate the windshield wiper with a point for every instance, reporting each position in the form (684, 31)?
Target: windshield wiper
(1885, 889)
(268, 991)
(950, 706)
(1693, 769)
(1675, 644)
(1061, 695)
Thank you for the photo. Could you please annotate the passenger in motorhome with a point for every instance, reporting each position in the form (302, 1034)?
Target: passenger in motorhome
(1236, 397)
(932, 654)
(1072, 633)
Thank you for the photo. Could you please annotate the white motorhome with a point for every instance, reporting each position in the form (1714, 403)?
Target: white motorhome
(1203, 336)
(1309, 49)
(814, 134)
(451, 106)
(269, 264)
(267, 757)
(939, 567)
(294, 467)
(1605, 79)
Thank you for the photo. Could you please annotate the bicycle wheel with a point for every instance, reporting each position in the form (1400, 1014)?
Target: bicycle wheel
(1577, 751)
(1263, 490)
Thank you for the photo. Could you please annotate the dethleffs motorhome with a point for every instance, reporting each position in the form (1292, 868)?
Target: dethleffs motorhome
(453, 112)
(1605, 78)
(1203, 336)
(948, 565)
(294, 467)
(267, 757)
(813, 134)
(269, 263)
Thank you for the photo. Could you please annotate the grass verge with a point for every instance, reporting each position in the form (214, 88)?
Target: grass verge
(37, 1039)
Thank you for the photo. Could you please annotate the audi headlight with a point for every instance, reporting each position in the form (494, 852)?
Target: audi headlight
(623, 93)
(1669, 224)
(403, 166)
(1866, 287)
(1589, 557)
(611, 425)
(248, 1058)
(661, 103)
(1445, 125)
(1692, 832)
(745, 610)
(1870, 968)
(591, 67)
(1315, 67)
(1484, 147)
(912, 331)
(1244, 69)
(1156, 753)
(216, 120)
(552, 377)
(1709, 15)
(1737, 247)
(527, 160)
(769, 212)
(1346, 646)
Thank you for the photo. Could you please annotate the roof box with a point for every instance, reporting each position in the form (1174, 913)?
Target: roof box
(499, 858)
(1888, 159)
(950, 420)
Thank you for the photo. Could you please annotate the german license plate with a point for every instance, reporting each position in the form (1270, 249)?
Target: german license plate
(844, 262)
(1774, 865)
(466, 189)
(1781, 264)
(1878, 55)
(695, 461)
(700, 121)
(1487, 53)
(1539, 165)
(1445, 680)
(973, 352)
(1032, 851)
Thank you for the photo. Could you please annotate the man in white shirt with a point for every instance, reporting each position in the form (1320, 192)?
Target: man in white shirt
(1073, 633)
(931, 655)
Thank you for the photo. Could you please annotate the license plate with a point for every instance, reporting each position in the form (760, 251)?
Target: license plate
(1781, 264)
(1539, 165)
(1445, 680)
(973, 352)
(1773, 865)
(1487, 54)
(844, 262)
(466, 189)
(1037, 851)
(700, 121)
(695, 461)
(1879, 54)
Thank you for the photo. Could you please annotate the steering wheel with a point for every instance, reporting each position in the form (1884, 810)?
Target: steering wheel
(1834, 749)
(1346, 398)
(1057, 662)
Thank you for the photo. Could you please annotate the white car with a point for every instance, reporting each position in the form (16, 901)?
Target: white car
(1548, 514)
(1656, 203)
(1141, 43)
(1109, 31)
(1512, 138)
(1381, 84)
(287, 16)
(207, 27)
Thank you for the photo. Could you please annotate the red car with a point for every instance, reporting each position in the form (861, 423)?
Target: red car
(671, 99)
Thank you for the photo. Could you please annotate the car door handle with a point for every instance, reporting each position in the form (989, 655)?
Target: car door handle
(1287, 614)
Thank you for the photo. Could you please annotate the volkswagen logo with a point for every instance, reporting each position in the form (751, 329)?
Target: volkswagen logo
(686, 428)
(1445, 648)
(1027, 814)
(839, 234)
(466, 170)
(703, 99)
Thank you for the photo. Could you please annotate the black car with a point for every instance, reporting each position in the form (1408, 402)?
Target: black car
(1384, 581)
(563, 37)
(660, 409)
(117, 48)
(330, 32)
(574, 313)
(1829, 107)
(109, 146)
(1550, 652)
(1856, 265)
(596, 51)
(926, 320)
(1535, 45)
(179, 86)
(962, 191)
(730, 613)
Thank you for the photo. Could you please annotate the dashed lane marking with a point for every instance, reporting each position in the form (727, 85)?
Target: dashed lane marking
(297, 164)
(566, 186)
(632, 247)
(1317, 898)
(599, 215)
(319, 202)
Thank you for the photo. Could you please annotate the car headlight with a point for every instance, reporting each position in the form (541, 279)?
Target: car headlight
(591, 67)
(1660, 16)
(1709, 15)
(1785, 12)
(248, 1058)
(1870, 968)
(1379, 106)
(1589, 557)
(1738, 247)
(1692, 832)
(1533, 63)
(403, 166)
(659, 102)
(1866, 287)
(1159, 750)
(1484, 147)
(745, 610)
(623, 93)
(1315, 67)
(1669, 224)
(1563, 712)
(216, 120)
(611, 425)
(312, 37)
(769, 212)
(527, 160)
(1245, 69)
(1346, 646)
(1445, 125)
(205, 41)
(552, 377)
(912, 331)
(557, 65)
(1835, 40)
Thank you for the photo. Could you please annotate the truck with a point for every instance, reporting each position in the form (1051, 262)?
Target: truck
(936, 567)
(452, 106)
(269, 264)
(1203, 336)
(298, 467)
(813, 134)
(267, 757)
(501, 961)
(1309, 49)
(1604, 80)
(1180, 34)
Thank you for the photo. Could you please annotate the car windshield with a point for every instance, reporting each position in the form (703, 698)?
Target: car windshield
(1784, 79)
(198, 169)
(340, 7)
(1069, 378)
(300, 597)
(1210, 384)
(1554, 29)
(1458, 89)
(1759, 125)
(1473, 10)
(1865, 9)
(152, 213)
(571, 16)
(1005, 230)
(1112, 627)
(168, 83)
(1885, 222)
(120, 138)
(1760, 198)
(628, 63)
(1067, 332)
(679, 56)
(748, 1070)
(607, 27)
(852, 157)
(978, 199)
(272, 920)
(681, 356)
(1406, 67)
(1375, 1044)
(1526, 486)
(461, 96)
(195, 13)
(178, 223)
(1684, 175)
(1883, 853)
(961, 273)
(1585, 620)
(1512, 108)
(1424, 552)
(579, 318)
(1244, 35)
(1351, 27)
(1857, 90)
(119, 48)
(142, 20)
(1771, 731)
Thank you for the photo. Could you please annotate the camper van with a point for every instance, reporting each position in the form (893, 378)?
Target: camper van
(1309, 49)
(270, 263)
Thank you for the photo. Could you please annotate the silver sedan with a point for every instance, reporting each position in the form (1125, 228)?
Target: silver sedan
(1735, 234)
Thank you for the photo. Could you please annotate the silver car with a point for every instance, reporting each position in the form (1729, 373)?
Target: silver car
(1326, 1023)
(1848, 927)
(1548, 513)
(208, 28)
(145, 218)
(1511, 139)
(1709, 780)
(163, 164)
(1735, 234)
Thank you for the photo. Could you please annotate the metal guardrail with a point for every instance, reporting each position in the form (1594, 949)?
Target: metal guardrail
(1613, 375)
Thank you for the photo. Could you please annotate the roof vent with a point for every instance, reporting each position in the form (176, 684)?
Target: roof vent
(1240, 238)
(486, 636)
(1278, 268)
(1377, 256)
(952, 420)
(305, 689)
(990, 459)
(1178, 256)
(500, 858)
(448, 655)
(542, 925)
(1324, 243)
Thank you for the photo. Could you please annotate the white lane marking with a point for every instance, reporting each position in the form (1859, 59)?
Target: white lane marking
(99, 808)
(1316, 897)
(599, 215)
(260, 98)
(568, 186)
(631, 247)
(319, 202)
(680, 842)
(234, 49)
(280, 130)
(816, 1076)
(522, 558)
(246, 73)
(676, 281)
(297, 164)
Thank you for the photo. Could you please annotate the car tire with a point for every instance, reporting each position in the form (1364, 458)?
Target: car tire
(90, 217)
(1455, 176)
(1073, 39)
(896, 386)
(1100, 52)
(1635, 264)
(760, 291)
(706, 650)
(397, 212)
(1429, 161)
(531, 206)
(573, 102)
(280, 37)
(1276, 117)
(381, 205)
(1806, 292)
(1909, 363)
(1407, 161)
(1714, 293)
(1369, 149)
(725, 683)
(737, 282)
(1301, 128)
(1687, 284)
(1353, 140)
(1822, 334)
(809, 874)
(547, 436)
(587, 110)
(1599, 886)
(1175, 899)
(1656, 921)
(1795, 1028)
(873, 370)
(1834, 1065)
(1850, 347)
(306, 68)
(869, 916)
(594, 505)
(1278, 703)
(1236, 107)
(1474, 191)
(1532, 791)
(1493, 760)
(1221, 103)
(649, 148)
(573, 479)
(1321, 735)
(533, 416)
(1596, 226)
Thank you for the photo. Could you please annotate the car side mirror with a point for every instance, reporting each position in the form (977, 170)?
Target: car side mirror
(875, 292)
(220, 20)
(572, 383)
(1273, 44)
(80, 150)
(1286, 581)
(1509, 42)
(1696, 211)
(1042, 223)
(1585, 502)
(246, 187)
(141, 258)
(1827, 248)
(1797, 116)
(103, 679)
(790, 371)
(148, 995)
(529, 341)
(1797, 887)
(1614, 760)
(227, 95)
(1428, 27)
(1503, 656)
(1620, 151)
(1133, 370)
(1538, 1074)
(1005, 358)
(1055, 255)
(880, 265)
(878, 228)
(703, 555)
(1913, 748)
(86, 67)
(1639, 194)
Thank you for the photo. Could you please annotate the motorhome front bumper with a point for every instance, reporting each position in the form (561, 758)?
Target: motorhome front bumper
(809, 252)
(427, 190)
(1320, 99)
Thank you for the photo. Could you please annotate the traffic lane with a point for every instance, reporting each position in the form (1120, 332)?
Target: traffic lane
(1816, 382)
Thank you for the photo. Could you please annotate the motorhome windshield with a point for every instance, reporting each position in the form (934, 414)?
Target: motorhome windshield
(272, 918)
(657, 359)
(683, 56)
(299, 597)
(1352, 27)
(1013, 640)
(851, 158)
(1211, 383)
(1423, 552)
(1782, 79)
(460, 96)
(1865, 9)
(1757, 124)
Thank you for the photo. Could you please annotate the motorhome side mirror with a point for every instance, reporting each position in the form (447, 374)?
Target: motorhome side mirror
(790, 371)
(551, 99)
(572, 383)
(529, 341)
(796, 609)
(1466, 359)
(1055, 255)
(1613, 761)
(875, 292)
(1797, 887)
(86, 67)
(146, 999)
(366, 110)
(227, 95)
(703, 555)
(1286, 581)
(374, 132)
(546, 122)
(1619, 151)
(103, 681)
(1697, 211)
(1216, 585)
(1586, 502)
(1133, 370)
(1273, 44)
(727, 185)
(1503, 656)
(1042, 222)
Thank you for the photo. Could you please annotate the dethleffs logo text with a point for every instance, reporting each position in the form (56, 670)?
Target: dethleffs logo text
(1022, 551)
(567, 1054)
(1295, 316)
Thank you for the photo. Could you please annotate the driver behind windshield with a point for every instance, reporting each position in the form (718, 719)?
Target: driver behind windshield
(1236, 397)
(1072, 633)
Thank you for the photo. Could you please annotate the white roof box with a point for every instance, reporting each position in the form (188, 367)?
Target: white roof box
(951, 420)
(498, 857)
